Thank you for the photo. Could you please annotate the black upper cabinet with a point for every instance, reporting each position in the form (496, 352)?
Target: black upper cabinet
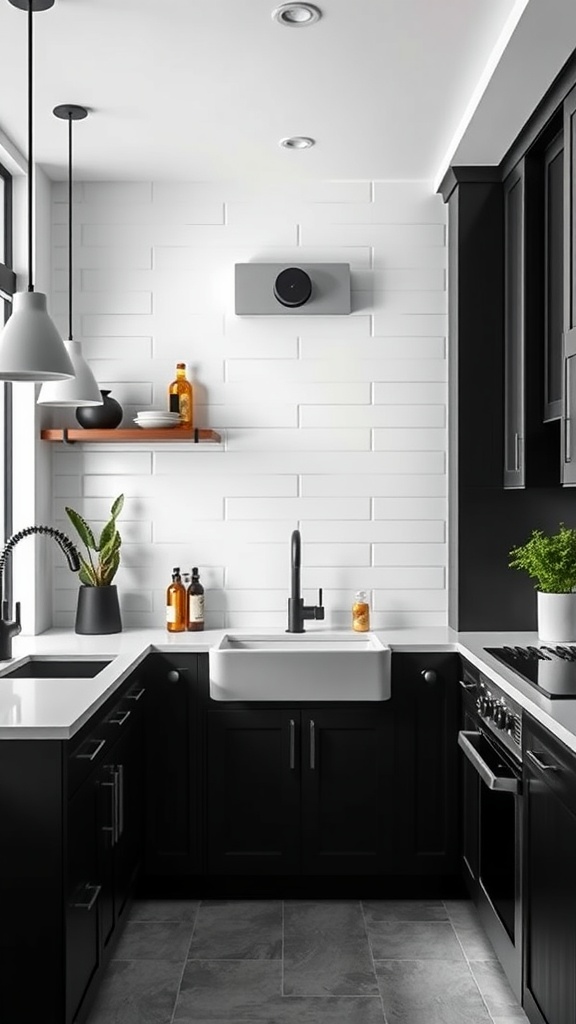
(550, 878)
(553, 175)
(514, 355)
(569, 366)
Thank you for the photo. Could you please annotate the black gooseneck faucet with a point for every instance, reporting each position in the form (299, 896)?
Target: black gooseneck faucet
(298, 612)
(9, 628)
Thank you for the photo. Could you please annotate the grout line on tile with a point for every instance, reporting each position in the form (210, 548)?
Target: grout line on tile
(467, 962)
(185, 962)
(372, 957)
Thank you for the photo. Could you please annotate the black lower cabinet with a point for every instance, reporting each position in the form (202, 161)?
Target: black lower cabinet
(176, 685)
(294, 791)
(426, 708)
(549, 878)
(71, 844)
(253, 792)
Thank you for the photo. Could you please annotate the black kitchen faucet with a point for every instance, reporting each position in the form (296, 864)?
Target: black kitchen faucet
(298, 612)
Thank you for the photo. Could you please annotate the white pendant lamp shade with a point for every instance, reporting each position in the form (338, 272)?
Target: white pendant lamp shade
(82, 389)
(30, 346)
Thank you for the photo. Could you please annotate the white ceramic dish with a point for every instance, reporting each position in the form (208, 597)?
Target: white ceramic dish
(156, 414)
(158, 424)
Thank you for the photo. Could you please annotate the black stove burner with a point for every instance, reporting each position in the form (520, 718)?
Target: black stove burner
(552, 670)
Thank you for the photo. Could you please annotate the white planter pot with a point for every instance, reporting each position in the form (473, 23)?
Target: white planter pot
(557, 618)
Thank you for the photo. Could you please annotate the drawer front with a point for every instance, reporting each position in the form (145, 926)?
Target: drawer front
(551, 761)
(89, 749)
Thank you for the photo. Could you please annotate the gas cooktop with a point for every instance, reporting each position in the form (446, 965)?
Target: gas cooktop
(551, 669)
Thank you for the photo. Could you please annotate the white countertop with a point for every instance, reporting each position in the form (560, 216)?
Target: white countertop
(58, 708)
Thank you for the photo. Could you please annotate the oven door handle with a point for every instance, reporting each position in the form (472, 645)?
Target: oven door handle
(503, 784)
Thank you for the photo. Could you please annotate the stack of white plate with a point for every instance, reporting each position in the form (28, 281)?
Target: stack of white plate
(157, 419)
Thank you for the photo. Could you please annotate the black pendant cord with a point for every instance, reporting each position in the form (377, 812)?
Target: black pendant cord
(30, 147)
(70, 336)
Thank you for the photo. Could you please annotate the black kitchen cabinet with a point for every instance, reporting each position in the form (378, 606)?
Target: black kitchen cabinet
(569, 411)
(553, 181)
(425, 701)
(514, 320)
(176, 685)
(300, 790)
(70, 847)
(549, 878)
(253, 791)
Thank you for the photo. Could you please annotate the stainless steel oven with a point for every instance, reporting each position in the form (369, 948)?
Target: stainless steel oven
(491, 743)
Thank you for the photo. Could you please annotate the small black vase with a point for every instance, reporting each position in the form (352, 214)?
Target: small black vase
(100, 417)
(98, 610)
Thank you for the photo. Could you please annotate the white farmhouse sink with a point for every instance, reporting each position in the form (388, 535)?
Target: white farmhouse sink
(299, 666)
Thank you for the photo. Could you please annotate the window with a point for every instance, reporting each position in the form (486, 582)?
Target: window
(7, 289)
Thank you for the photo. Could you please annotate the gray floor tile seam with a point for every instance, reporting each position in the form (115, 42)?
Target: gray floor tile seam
(468, 964)
(185, 962)
(282, 956)
(233, 960)
(367, 932)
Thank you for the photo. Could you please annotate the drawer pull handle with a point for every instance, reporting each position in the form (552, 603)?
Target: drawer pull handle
(95, 752)
(95, 894)
(136, 694)
(540, 764)
(122, 717)
(312, 744)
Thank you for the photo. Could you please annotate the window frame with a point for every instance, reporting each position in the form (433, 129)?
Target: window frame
(7, 290)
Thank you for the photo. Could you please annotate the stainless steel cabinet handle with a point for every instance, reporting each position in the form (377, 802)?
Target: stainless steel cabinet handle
(504, 784)
(120, 777)
(95, 752)
(312, 744)
(292, 744)
(516, 452)
(136, 694)
(540, 764)
(122, 716)
(96, 890)
(113, 785)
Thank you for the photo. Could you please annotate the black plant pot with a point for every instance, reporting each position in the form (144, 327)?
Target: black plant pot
(98, 610)
(100, 417)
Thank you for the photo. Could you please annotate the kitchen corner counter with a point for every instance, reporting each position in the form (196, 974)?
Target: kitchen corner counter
(58, 708)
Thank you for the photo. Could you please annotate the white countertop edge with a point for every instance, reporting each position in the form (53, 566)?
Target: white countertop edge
(72, 702)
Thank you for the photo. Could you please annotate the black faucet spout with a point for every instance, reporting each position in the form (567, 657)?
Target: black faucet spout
(298, 612)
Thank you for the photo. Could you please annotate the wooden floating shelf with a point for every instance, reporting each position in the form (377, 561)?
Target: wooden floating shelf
(196, 435)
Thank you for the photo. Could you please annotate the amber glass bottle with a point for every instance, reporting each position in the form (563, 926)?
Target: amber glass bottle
(176, 604)
(195, 603)
(183, 389)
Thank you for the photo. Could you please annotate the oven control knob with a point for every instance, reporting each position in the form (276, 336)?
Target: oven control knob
(500, 716)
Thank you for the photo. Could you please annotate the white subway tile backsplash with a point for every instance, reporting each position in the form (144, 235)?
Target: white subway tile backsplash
(332, 424)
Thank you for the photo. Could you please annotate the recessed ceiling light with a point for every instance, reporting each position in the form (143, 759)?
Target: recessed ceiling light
(297, 142)
(297, 15)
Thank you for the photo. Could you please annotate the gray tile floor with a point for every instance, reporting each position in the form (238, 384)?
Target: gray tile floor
(304, 962)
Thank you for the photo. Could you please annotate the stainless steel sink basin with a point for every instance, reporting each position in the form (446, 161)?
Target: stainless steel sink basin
(342, 666)
(36, 667)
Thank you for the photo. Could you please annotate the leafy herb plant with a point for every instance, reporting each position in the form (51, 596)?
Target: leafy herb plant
(100, 566)
(551, 560)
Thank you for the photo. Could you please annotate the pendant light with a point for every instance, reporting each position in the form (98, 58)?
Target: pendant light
(82, 389)
(30, 346)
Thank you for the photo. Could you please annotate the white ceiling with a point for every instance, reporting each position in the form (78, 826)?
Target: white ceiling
(203, 91)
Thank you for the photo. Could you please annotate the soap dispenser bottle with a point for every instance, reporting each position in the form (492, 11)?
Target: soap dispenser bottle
(176, 604)
(361, 612)
(195, 603)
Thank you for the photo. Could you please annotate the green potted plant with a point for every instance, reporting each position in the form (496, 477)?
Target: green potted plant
(550, 559)
(98, 609)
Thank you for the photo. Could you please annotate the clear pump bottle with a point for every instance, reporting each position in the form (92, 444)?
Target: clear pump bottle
(361, 612)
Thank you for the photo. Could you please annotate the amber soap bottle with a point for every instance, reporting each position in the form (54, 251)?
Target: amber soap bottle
(195, 603)
(182, 389)
(176, 604)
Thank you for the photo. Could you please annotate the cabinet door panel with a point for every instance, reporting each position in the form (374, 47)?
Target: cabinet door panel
(514, 365)
(253, 792)
(83, 893)
(347, 790)
(554, 277)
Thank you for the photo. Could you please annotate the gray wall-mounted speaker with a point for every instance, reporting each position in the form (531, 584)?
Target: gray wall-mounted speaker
(290, 289)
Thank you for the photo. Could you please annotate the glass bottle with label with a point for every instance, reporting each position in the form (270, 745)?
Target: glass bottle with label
(361, 612)
(195, 603)
(182, 389)
(176, 604)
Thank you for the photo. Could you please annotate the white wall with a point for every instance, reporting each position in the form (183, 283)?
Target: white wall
(333, 424)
